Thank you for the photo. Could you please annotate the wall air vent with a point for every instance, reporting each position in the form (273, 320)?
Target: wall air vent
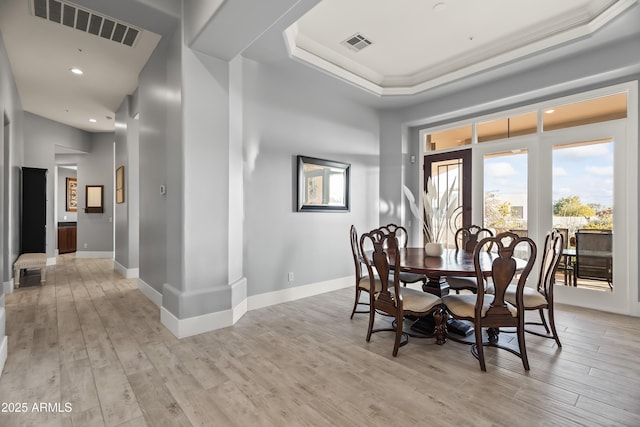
(85, 20)
(357, 42)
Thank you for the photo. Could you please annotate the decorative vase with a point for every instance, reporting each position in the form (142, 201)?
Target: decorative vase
(434, 249)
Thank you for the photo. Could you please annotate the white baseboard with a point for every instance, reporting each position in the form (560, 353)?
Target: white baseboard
(150, 292)
(7, 287)
(3, 353)
(94, 254)
(290, 294)
(51, 261)
(127, 273)
(183, 328)
(239, 310)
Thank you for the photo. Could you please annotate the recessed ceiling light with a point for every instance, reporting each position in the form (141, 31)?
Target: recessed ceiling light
(77, 71)
(549, 111)
(439, 6)
(92, 120)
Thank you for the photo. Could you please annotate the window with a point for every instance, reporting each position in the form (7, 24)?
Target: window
(505, 190)
(508, 127)
(581, 113)
(450, 138)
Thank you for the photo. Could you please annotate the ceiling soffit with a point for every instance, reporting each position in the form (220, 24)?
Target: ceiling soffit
(426, 50)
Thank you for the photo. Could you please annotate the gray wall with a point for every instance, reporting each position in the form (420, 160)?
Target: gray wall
(284, 117)
(159, 132)
(127, 214)
(95, 230)
(41, 136)
(11, 151)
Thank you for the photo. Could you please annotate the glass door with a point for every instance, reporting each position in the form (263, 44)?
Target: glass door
(583, 208)
(506, 193)
(452, 170)
(590, 196)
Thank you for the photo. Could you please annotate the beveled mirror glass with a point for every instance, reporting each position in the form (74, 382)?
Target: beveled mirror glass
(323, 185)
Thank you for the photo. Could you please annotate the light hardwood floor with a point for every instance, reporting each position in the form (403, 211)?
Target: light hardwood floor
(90, 338)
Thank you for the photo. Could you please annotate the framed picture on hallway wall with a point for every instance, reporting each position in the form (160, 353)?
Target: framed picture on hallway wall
(72, 195)
(120, 185)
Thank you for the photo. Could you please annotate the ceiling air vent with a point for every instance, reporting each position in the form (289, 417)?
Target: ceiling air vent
(85, 20)
(357, 42)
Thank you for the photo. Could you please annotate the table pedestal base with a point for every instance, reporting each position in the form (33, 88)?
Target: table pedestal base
(436, 285)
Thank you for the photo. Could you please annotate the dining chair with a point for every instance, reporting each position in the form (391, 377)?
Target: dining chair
(493, 311)
(394, 300)
(403, 239)
(466, 239)
(541, 297)
(362, 282)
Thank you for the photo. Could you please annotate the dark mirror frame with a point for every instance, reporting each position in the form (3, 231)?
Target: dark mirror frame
(304, 205)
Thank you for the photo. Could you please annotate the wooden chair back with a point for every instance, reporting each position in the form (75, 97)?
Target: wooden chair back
(383, 243)
(355, 251)
(468, 237)
(554, 243)
(503, 273)
(398, 231)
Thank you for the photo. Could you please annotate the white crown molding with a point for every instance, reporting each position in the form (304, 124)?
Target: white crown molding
(563, 30)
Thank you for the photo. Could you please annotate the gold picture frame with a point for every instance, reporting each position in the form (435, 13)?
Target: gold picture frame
(72, 195)
(120, 185)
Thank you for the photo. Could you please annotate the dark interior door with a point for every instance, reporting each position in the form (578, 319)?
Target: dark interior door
(33, 211)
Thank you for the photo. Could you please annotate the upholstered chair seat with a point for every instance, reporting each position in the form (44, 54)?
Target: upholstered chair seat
(418, 301)
(463, 305)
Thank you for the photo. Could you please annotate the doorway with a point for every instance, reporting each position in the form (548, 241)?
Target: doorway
(451, 170)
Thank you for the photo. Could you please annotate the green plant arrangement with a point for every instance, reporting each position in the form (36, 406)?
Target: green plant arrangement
(436, 211)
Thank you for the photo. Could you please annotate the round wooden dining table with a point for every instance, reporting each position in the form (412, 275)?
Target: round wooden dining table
(451, 263)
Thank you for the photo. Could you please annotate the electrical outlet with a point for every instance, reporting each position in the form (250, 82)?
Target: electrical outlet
(86, 245)
(290, 276)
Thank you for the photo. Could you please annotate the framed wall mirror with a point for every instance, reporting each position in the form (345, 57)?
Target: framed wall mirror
(323, 185)
(94, 199)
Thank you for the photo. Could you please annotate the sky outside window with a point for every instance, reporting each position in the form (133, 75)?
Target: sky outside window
(584, 170)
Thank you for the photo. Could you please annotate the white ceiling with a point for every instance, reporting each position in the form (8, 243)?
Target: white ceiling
(419, 44)
(42, 53)
(416, 45)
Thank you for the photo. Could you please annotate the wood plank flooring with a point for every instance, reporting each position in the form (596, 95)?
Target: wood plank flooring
(90, 338)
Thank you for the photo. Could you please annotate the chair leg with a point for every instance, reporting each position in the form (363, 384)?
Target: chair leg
(355, 304)
(399, 325)
(372, 315)
(552, 322)
(521, 344)
(543, 320)
(479, 348)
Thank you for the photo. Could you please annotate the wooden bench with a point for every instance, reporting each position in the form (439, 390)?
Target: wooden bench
(34, 260)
